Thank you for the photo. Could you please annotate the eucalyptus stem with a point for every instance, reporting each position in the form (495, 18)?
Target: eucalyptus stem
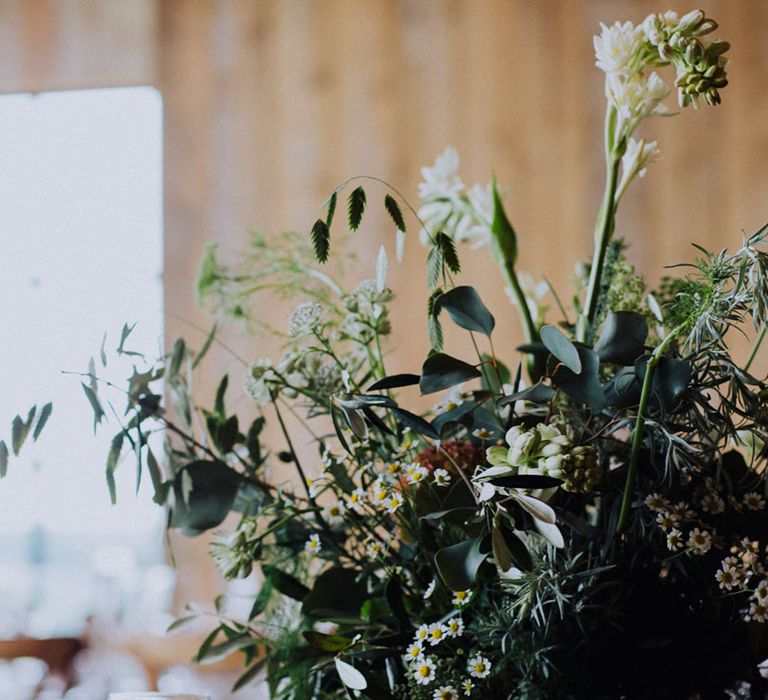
(637, 433)
(604, 227)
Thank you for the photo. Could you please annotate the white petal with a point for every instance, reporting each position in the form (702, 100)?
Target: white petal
(494, 471)
(538, 509)
(381, 270)
(487, 492)
(551, 533)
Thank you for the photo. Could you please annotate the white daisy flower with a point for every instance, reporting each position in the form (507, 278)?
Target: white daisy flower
(727, 577)
(422, 633)
(415, 651)
(699, 541)
(415, 473)
(656, 502)
(424, 671)
(754, 501)
(313, 544)
(334, 512)
(674, 540)
(437, 634)
(462, 598)
(455, 627)
(761, 592)
(667, 520)
(713, 504)
(468, 686)
(374, 549)
(394, 502)
(442, 477)
(356, 500)
(482, 434)
(394, 468)
(758, 612)
(445, 692)
(479, 667)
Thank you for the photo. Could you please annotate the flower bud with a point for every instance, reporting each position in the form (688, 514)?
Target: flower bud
(694, 51)
(718, 48)
(691, 21)
(707, 26)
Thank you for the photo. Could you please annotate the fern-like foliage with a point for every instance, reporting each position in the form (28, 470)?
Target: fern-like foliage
(450, 256)
(434, 329)
(321, 240)
(331, 210)
(393, 208)
(356, 207)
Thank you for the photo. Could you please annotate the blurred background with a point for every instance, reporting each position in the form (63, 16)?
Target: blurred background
(134, 132)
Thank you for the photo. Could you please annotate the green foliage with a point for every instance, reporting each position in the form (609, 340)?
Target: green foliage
(356, 207)
(393, 209)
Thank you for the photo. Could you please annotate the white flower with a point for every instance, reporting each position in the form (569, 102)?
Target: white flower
(453, 399)
(468, 686)
(654, 501)
(479, 667)
(424, 671)
(394, 502)
(437, 633)
(758, 612)
(334, 512)
(415, 651)
(416, 473)
(667, 520)
(305, 318)
(442, 179)
(445, 692)
(761, 592)
(256, 381)
(313, 544)
(374, 549)
(442, 477)
(422, 633)
(430, 589)
(462, 598)
(356, 500)
(455, 627)
(726, 577)
(394, 468)
(712, 504)
(674, 540)
(380, 493)
(635, 161)
(617, 46)
(754, 501)
(636, 98)
(482, 434)
(699, 541)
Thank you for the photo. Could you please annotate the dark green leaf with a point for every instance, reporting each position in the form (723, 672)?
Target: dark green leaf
(3, 458)
(394, 595)
(321, 240)
(670, 379)
(102, 351)
(335, 410)
(622, 339)
(177, 357)
(336, 592)
(504, 237)
(45, 414)
(459, 563)
(538, 393)
(340, 476)
(262, 599)
(434, 329)
(251, 674)
(623, 389)
(466, 309)
(526, 481)
(441, 371)
(520, 554)
(501, 552)
(356, 206)
(331, 210)
(332, 643)
(285, 583)
(252, 441)
(561, 347)
(583, 388)
(220, 392)
(180, 623)
(449, 254)
(213, 488)
(98, 411)
(415, 423)
(394, 381)
(156, 476)
(394, 211)
(114, 451)
(203, 351)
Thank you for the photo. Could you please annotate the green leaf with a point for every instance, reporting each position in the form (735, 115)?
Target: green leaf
(356, 207)
(285, 583)
(622, 339)
(252, 441)
(218, 406)
(434, 329)
(394, 595)
(20, 430)
(212, 488)
(336, 593)
(441, 371)
(434, 266)
(583, 388)
(262, 599)
(331, 209)
(395, 381)
(180, 623)
(332, 643)
(98, 411)
(501, 552)
(321, 240)
(251, 674)
(340, 476)
(3, 459)
(561, 347)
(335, 410)
(540, 393)
(177, 357)
(114, 451)
(670, 380)
(504, 237)
(459, 563)
(415, 423)
(156, 476)
(350, 676)
(203, 351)
(394, 211)
(466, 309)
(526, 481)
(449, 254)
(45, 414)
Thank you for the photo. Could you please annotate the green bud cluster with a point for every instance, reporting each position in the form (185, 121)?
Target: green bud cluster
(579, 469)
(700, 65)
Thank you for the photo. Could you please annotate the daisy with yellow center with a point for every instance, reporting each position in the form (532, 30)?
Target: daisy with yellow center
(455, 627)
(415, 473)
(655, 502)
(394, 469)
(374, 549)
(754, 501)
(445, 692)
(415, 651)
(394, 502)
(313, 544)
(674, 540)
(468, 686)
(356, 499)
(666, 520)
(699, 541)
(424, 671)
(436, 634)
(761, 592)
(461, 598)
(442, 477)
(726, 577)
(422, 633)
(479, 667)
(758, 612)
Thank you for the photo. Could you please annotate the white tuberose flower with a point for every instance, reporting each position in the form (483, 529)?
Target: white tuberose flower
(616, 46)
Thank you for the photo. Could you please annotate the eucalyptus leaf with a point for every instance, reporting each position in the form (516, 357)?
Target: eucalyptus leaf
(3, 458)
(332, 643)
(415, 423)
(350, 676)
(466, 309)
(458, 564)
(561, 347)
(583, 388)
(540, 393)
(45, 414)
(622, 339)
(441, 371)
(395, 381)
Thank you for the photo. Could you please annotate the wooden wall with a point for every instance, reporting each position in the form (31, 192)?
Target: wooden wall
(270, 103)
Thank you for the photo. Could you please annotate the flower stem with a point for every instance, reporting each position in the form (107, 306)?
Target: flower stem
(606, 221)
(755, 348)
(637, 433)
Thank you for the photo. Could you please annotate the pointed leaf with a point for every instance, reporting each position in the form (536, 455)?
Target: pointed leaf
(395, 381)
(350, 676)
(441, 371)
(622, 339)
(45, 414)
(561, 347)
(356, 205)
(459, 563)
(466, 309)
(321, 240)
(331, 209)
(394, 211)
(3, 458)
(504, 237)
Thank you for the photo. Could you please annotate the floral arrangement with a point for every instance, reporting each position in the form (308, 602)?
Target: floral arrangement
(588, 520)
